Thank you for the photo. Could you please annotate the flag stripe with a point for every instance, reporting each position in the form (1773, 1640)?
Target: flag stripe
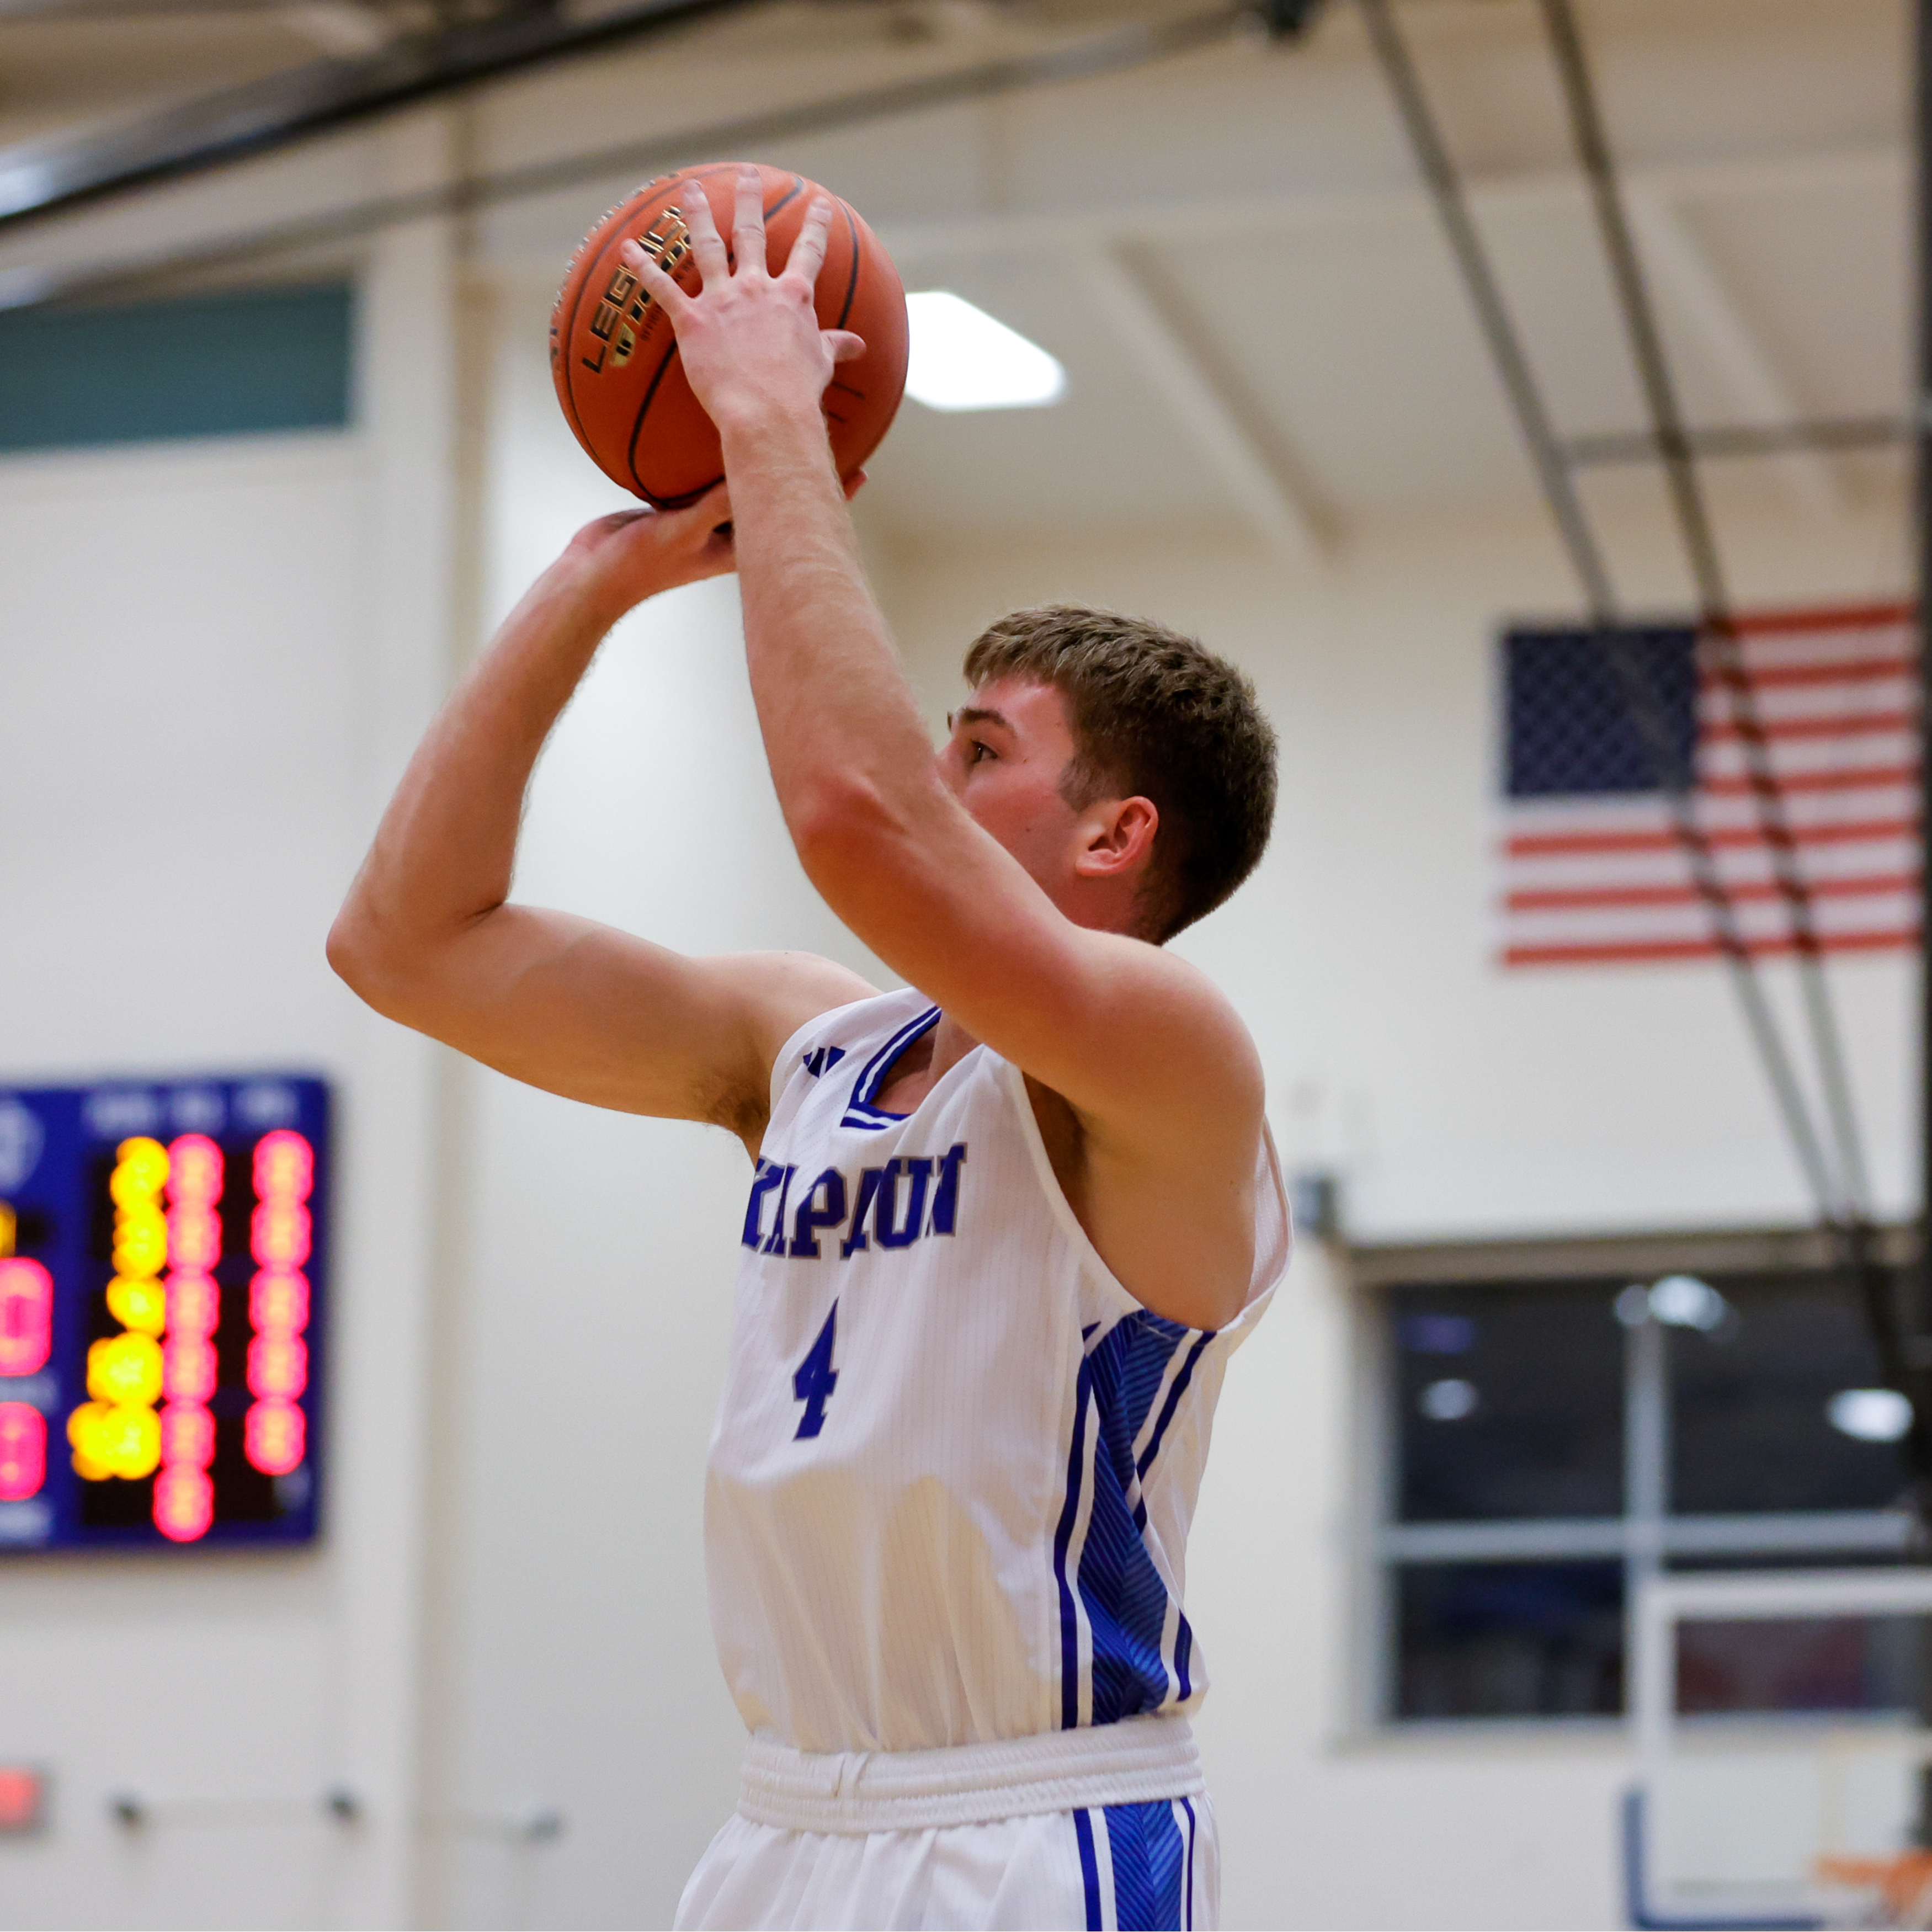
(1554, 899)
(1651, 952)
(1531, 844)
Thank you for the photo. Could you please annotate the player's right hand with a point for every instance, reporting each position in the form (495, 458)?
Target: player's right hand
(622, 558)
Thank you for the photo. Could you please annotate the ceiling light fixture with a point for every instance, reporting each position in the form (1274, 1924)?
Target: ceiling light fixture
(1870, 1415)
(963, 359)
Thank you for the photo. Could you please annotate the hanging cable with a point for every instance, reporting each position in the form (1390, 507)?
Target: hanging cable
(1716, 621)
(1117, 51)
(1851, 1222)
(1560, 495)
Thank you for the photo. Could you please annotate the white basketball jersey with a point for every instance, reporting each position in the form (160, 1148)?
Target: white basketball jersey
(955, 1461)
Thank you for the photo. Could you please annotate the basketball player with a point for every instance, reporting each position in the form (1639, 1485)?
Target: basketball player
(1002, 1231)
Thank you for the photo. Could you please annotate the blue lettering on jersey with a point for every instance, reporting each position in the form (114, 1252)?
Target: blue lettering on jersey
(868, 1193)
(945, 1201)
(775, 1246)
(814, 1213)
(767, 1177)
(918, 1172)
(906, 1199)
(823, 1060)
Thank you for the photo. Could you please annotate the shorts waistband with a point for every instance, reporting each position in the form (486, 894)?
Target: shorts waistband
(1134, 1762)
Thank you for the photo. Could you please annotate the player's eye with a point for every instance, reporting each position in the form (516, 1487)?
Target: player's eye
(976, 749)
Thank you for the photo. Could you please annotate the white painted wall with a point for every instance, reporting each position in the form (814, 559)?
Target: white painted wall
(182, 794)
(216, 655)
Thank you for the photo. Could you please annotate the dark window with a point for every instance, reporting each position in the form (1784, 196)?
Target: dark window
(1510, 1402)
(1801, 1663)
(1522, 1516)
(1750, 1403)
(244, 362)
(1510, 1639)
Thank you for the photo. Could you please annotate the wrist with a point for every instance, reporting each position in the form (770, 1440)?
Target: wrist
(584, 592)
(760, 421)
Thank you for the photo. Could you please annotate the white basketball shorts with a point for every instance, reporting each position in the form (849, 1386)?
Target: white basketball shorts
(1108, 1826)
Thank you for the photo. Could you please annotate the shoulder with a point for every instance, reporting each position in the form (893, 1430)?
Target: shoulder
(772, 996)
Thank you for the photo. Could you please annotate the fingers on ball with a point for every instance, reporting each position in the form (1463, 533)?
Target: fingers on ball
(706, 242)
(748, 220)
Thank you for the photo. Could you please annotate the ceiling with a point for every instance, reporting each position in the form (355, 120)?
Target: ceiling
(1228, 250)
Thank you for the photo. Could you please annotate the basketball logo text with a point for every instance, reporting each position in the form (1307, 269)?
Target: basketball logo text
(667, 241)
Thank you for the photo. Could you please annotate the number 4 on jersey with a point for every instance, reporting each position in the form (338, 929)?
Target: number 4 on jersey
(816, 1379)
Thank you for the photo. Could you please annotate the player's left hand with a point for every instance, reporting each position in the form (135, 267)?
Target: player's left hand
(750, 340)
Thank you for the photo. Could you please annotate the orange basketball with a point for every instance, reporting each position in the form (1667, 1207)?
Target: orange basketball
(615, 359)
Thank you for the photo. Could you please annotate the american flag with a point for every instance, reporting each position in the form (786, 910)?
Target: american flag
(1593, 874)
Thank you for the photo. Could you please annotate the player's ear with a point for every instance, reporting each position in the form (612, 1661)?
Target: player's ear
(1119, 837)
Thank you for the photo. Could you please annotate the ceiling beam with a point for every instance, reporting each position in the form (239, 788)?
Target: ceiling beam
(1271, 504)
(1289, 210)
(40, 178)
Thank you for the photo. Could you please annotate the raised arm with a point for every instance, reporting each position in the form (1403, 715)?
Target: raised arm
(1159, 1070)
(428, 936)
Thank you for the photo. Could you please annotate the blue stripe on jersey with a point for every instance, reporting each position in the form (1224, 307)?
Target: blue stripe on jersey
(1090, 1869)
(1187, 1878)
(1173, 1402)
(1063, 1538)
(1150, 1860)
(1119, 1588)
(859, 1111)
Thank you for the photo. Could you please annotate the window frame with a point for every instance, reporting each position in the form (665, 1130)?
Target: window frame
(1645, 1534)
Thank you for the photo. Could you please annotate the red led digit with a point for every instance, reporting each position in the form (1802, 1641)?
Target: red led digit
(23, 1451)
(275, 1437)
(194, 1170)
(183, 1502)
(284, 1166)
(187, 1369)
(26, 1315)
(278, 1302)
(194, 1237)
(281, 1233)
(188, 1435)
(277, 1366)
(194, 1307)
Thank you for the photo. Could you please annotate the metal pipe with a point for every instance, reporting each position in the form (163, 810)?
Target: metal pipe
(39, 179)
(1102, 54)
(1922, 1314)
(1831, 434)
(1566, 510)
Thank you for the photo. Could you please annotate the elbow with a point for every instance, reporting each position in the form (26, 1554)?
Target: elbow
(841, 827)
(349, 952)
(358, 959)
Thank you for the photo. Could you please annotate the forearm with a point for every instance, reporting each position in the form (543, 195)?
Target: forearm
(838, 714)
(443, 854)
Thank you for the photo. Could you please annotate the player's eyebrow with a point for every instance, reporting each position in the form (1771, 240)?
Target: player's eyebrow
(978, 714)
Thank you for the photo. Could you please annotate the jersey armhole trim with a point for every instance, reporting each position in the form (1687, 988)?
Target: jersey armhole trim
(782, 1059)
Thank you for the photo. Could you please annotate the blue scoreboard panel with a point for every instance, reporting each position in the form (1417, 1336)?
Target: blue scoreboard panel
(164, 1271)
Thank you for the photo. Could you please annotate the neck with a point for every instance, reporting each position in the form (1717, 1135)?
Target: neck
(925, 1063)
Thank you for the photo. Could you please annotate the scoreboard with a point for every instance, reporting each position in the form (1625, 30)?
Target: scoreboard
(164, 1271)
